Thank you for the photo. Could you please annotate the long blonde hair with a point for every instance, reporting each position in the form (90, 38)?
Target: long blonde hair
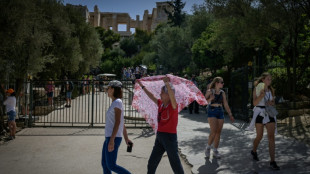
(214, 81)
(260, 80)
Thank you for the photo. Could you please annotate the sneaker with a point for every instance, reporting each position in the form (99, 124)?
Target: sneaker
(216, 154)
(254, 154)
(9, 138)
(207, 152)
(274, 165)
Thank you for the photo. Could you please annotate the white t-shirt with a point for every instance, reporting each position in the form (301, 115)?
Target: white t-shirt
(110, 119)
(10, 103)
(268, 97)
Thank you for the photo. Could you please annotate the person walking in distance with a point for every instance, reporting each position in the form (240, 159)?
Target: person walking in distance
(10, 104)
(50, 88)
(114, 129)
(262, 119)
(166, 137)
(68, 87)
(217, 99)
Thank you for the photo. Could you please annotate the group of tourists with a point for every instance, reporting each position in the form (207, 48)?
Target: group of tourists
(166, 136)
(131, 73)
(66, 89)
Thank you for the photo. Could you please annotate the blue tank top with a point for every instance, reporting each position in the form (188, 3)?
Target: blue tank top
(218, 98)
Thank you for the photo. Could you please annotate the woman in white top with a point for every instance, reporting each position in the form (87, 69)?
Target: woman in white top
(114, 129)
(261, 117)
(10, 103)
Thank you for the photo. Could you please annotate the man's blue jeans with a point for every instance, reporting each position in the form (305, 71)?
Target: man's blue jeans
(108, 160)
(165, 142)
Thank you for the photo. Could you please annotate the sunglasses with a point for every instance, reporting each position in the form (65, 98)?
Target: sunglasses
(221, 82)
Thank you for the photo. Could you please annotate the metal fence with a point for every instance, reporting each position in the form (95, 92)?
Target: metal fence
(240, 100)
(89, 104)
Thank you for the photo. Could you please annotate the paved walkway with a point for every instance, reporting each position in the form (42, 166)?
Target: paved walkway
(78, 151)
(74, 151)
(235, 147)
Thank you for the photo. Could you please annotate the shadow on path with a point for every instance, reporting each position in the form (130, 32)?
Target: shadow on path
(235, 146)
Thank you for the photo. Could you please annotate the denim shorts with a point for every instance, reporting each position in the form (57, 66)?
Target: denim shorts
(50, 94)
(69, 95)
(216, 112)
(12, 115)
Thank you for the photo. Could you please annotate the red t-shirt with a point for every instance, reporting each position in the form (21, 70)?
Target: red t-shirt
(168, 118)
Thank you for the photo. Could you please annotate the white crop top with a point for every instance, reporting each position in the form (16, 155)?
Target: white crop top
(268, 97)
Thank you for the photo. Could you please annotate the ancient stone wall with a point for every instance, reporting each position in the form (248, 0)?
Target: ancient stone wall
(109, 20)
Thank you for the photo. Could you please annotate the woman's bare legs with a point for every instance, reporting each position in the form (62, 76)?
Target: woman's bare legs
(218, 131)
(270, 132)
(259, 135)
(213, 126)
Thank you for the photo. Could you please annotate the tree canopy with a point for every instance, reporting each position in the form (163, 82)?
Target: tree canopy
(45, 39)
(176, 17)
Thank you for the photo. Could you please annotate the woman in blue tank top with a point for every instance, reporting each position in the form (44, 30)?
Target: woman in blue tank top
(217, 99)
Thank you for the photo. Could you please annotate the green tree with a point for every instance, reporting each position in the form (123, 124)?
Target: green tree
(150, 59)
(233, 31)
(176, 17)
(275, 27)
(172, 46)
(204, 57)
(129, 46)
(107, 37)
(199, 21)
(76, 46)
(45, 39)
(24, 39)
(142, 38)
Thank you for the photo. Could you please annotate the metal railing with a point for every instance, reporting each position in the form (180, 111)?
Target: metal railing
(89, 104)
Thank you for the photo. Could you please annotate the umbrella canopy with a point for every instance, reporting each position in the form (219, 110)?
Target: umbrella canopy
(107, 75)
(143, 66)
(185, 93)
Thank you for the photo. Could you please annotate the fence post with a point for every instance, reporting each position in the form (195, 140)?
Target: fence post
(92, 103)
(232, 90)
(30, 105)
(246, 94)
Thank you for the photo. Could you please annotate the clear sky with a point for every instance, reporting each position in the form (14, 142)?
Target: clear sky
(133, 7)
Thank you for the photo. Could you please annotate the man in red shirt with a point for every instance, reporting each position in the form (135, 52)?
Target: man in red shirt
(166, 138)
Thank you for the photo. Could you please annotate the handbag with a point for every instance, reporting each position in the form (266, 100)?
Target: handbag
(271, 111)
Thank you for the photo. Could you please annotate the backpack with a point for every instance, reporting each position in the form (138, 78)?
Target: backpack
(71, 85)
